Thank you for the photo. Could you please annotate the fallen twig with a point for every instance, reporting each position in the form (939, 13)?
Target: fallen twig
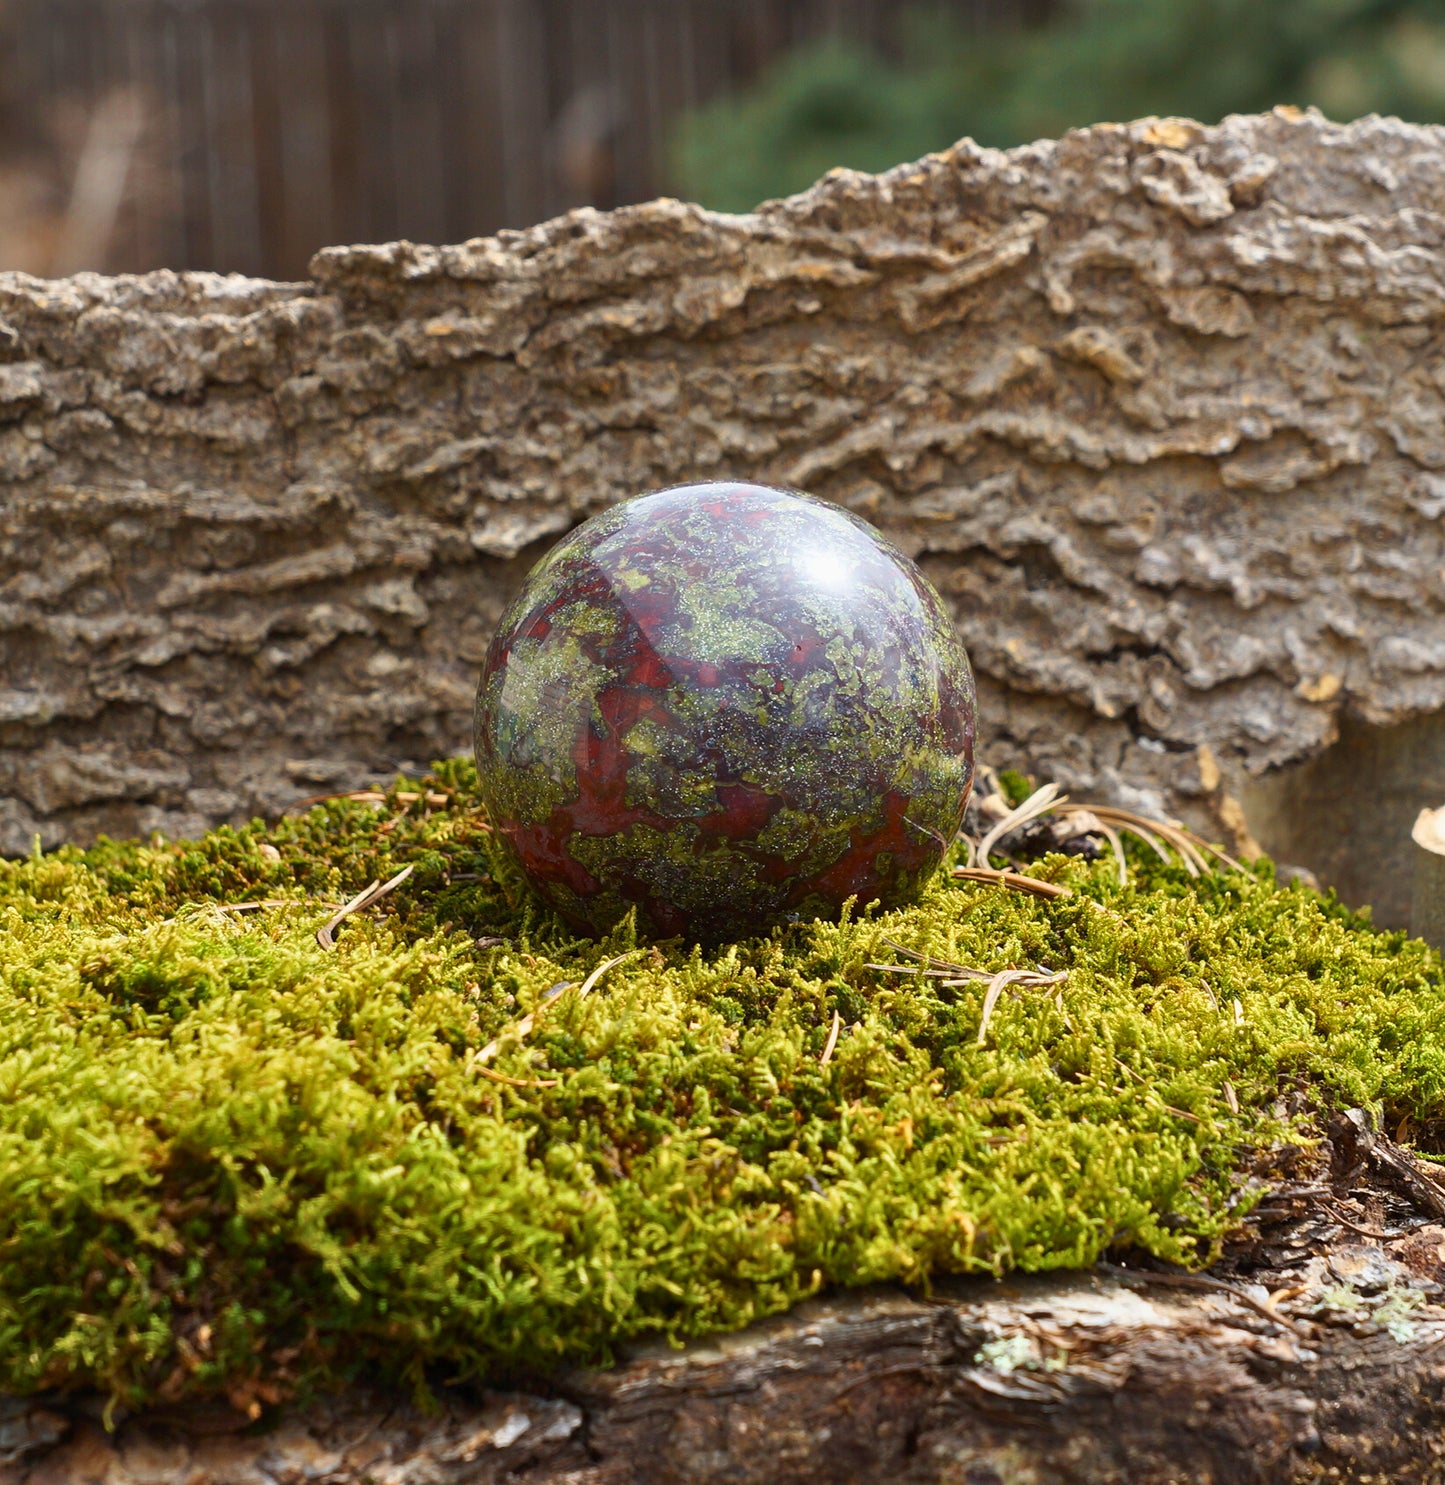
(1333, 1209)
(827, 1056)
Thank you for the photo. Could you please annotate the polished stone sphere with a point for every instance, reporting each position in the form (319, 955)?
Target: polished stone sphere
(730, 706)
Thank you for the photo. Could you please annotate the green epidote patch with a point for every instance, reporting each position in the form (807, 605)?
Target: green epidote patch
(234, 1162)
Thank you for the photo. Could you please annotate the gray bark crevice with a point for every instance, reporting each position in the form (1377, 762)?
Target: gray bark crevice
(1160, 407)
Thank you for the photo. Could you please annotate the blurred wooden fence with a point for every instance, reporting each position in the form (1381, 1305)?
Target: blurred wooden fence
(274, 127)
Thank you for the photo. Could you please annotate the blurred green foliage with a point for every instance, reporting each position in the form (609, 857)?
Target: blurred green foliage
(1099, 60)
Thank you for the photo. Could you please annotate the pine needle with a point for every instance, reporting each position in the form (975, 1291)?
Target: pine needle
(931, 964)
(520, 1030)
(1000, 982)
(1116, 845)
(1012, 879)
(523, 1028)
(363, 899)
(1161, 836)
(1190, 847)
(926, 964)
(1040, 802)
(590, 983)
(267, 902)
(496, 1077)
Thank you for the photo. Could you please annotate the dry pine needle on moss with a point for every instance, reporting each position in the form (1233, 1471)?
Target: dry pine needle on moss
(235, 1161)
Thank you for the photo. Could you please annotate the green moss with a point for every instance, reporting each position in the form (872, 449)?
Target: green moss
(1016, 788)
(233, 1161)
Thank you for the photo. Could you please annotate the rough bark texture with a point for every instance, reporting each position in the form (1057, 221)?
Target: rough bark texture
(1158, 406)
(1318, 1357)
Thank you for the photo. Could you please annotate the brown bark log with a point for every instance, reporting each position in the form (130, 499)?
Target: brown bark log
(1159, 407)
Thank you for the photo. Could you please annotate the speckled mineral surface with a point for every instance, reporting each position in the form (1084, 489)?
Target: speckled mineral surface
(729, 706)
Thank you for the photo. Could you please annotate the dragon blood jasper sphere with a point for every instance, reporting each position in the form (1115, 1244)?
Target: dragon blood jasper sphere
(729, 706)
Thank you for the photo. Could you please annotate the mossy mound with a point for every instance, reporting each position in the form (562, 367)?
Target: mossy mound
(232, 1160)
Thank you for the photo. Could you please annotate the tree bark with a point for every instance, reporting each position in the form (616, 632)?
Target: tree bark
(1158, 406)
(1314, 1353)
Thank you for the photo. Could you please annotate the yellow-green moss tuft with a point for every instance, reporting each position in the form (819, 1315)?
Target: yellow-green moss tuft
(233, 1161)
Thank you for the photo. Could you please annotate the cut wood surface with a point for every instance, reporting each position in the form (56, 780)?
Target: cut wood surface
(1313, 1352)
(1158, 406)
(1428, 918)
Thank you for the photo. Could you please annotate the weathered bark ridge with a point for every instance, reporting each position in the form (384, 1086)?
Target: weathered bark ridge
(1160, 407)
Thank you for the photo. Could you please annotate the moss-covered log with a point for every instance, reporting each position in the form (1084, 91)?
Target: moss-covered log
(1336, 1376)
(1158, 406)
(255, 1147)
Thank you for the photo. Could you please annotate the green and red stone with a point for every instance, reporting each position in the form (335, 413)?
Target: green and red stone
(730, 707)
